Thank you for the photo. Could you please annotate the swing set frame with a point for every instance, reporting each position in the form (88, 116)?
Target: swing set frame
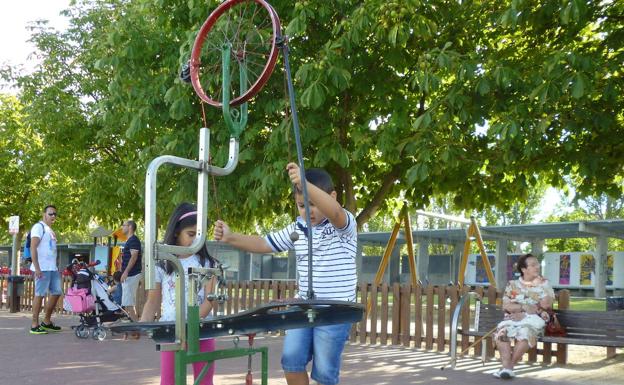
(472, 234)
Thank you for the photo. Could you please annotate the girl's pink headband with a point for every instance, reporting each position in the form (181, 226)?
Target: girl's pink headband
(190, 213)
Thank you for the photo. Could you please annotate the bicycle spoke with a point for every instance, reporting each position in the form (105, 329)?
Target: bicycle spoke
(250, 30)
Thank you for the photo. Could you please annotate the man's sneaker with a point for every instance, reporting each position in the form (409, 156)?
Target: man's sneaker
(51, 327)
(37, 330)
(507, 374)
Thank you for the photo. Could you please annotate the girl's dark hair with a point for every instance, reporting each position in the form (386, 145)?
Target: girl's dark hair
(522, 263)
(176, 225)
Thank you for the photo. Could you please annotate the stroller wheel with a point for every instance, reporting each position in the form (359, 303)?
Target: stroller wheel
(82, 331)
(99, 333)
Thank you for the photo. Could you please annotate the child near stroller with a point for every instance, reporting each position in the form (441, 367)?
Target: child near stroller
(88, 296)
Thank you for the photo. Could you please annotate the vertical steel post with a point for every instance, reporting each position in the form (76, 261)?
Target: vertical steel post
(304, 188)
(14, 260)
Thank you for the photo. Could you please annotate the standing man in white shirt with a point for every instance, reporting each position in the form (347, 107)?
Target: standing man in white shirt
(47, 277)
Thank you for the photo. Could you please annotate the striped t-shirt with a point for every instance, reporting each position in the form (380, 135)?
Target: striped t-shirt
(333, 265)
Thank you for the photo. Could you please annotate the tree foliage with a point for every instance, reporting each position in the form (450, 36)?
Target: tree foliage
(482, 101)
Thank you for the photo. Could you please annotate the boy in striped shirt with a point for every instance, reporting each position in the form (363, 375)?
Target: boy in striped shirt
(334, 246)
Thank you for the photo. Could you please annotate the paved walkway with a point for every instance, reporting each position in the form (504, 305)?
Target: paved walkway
(63, 359)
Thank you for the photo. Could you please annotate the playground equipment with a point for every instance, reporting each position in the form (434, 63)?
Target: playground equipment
(472, 234)
(403, 217)
(232, 58)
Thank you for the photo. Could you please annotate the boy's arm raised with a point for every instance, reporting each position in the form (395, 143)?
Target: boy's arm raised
(326, 203)
(251, 243)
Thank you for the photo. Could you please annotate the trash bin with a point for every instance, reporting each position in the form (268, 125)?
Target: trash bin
(15, 292)
(615, 303)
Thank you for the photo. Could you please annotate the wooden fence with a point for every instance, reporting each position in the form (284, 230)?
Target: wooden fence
(416, 317)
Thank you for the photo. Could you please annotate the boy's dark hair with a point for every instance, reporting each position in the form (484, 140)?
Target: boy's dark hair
(174, 227)
(117, 276)
(320, 178)
(45, 209)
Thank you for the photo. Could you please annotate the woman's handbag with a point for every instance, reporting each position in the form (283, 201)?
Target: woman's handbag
(553, 326)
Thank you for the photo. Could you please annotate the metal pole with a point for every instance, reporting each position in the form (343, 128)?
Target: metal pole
(450, 218)
(293, 110)
(154, 250)
(14, 260)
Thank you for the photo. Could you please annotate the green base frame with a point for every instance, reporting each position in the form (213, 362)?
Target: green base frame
(183, 358)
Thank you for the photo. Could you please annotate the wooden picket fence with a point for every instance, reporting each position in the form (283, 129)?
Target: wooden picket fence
(416, 317)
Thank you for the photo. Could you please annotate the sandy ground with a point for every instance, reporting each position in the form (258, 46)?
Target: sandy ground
(63, 359)
(587, 365)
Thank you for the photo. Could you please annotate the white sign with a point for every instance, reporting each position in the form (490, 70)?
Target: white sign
(14, 224)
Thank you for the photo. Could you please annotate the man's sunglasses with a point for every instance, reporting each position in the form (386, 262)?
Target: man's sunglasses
(52, 214)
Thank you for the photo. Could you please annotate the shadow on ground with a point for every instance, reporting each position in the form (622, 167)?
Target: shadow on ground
(63, 359)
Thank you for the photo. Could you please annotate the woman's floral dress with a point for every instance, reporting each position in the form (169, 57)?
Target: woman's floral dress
(524, 293)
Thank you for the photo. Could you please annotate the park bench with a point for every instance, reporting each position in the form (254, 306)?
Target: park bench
(591, 328)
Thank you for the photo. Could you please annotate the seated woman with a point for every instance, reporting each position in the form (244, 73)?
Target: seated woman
(525, 302)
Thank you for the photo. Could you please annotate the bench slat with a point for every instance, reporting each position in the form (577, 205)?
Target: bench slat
(597, 328)
(583, 341)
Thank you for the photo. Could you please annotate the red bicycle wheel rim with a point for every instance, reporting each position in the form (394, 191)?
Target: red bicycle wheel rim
(201, 37)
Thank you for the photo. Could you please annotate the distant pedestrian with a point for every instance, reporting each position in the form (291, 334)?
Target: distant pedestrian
(44, 265)
(131, 267)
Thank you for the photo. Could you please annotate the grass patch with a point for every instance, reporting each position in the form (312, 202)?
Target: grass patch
(587, 304)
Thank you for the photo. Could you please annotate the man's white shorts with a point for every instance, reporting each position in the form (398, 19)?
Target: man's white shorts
(129, 289)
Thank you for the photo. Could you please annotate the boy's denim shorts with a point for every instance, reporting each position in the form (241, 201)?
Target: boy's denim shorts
(49, 281)
(322, 344)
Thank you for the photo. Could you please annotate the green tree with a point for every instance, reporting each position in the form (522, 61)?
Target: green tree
(19, 155)
(481, 100)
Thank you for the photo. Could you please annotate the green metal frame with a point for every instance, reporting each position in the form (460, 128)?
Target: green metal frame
(192, 354)
(235, 120)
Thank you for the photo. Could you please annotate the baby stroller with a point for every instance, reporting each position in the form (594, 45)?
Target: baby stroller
(88, 296)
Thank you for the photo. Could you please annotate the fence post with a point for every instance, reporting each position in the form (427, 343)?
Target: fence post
(406, 325)
(418, 315)
(373, 314)
(259, 294)
(396, 312)
(364, 301)
(441, 317)
(384, 313)
(429, 318)
(452, 295)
